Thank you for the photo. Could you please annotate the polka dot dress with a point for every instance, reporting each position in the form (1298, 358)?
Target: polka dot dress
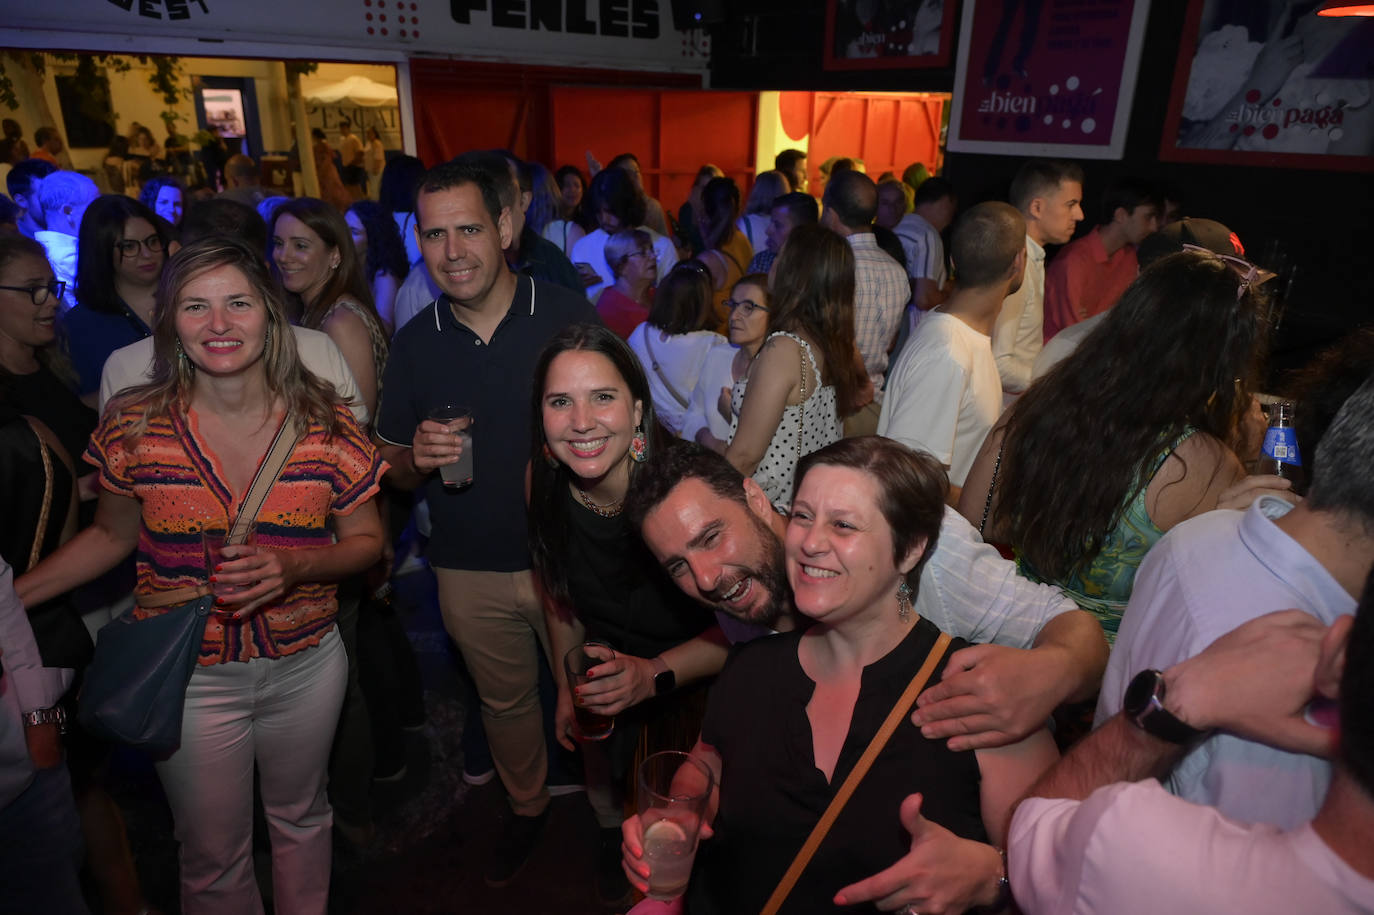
(815, 422)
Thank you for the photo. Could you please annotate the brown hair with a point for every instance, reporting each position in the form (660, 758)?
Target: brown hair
(911, 490)
(813, 291)
(344, 282)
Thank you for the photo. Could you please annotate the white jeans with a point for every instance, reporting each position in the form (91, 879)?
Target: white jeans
(282, 713)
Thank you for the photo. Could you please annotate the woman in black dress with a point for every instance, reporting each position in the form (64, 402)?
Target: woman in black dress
(593, 423)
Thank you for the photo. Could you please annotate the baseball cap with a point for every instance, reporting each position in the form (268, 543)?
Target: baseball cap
(1205, 233)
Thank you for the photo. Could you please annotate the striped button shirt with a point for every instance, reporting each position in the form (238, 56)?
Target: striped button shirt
(182, 491)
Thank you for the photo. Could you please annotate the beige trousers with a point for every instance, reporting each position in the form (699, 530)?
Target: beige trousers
(497, 622)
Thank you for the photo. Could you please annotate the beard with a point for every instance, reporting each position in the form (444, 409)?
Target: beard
(770, 574)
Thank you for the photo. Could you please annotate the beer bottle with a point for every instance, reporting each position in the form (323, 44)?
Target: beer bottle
(1279, 454)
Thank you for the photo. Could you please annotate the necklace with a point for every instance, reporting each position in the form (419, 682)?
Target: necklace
(605, 511)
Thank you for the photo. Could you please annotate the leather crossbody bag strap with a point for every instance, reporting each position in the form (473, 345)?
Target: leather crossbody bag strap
(288, 434)
(856, 775)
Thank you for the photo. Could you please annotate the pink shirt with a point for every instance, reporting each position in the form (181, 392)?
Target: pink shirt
(1135, 849)
(1083, 280)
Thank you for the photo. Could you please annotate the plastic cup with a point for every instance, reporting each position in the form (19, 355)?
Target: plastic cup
(215, 553)
(674, 792)
(456, 474)
(587, 725)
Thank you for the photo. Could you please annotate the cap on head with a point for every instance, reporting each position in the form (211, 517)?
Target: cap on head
(1205, 233)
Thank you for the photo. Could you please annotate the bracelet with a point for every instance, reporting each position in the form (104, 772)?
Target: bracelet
(1003, 899)
(55, 715)
(1003, 884)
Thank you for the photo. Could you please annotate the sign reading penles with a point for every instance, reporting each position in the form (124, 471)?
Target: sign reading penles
(611, 18)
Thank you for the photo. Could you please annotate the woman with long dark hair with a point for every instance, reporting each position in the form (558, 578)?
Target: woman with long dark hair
(1130, 435)
(122, 248)
(673, 343)
(593, 424)
(175, 457)
(727, 251)
(314, 257)
(383, 254)
(566, 226)
(805, 378)
(396, 193)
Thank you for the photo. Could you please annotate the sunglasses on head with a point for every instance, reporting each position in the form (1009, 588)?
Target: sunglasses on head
(1247, 271)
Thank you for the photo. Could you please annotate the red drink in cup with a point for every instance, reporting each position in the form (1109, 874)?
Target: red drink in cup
(587, 725)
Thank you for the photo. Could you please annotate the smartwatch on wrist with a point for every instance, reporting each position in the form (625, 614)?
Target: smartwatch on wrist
(1144, 707)
(664, 678)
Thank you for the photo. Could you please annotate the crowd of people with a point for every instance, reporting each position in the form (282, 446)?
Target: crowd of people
(771, 454)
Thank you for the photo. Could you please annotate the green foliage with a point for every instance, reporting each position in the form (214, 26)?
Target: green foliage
(7, 96)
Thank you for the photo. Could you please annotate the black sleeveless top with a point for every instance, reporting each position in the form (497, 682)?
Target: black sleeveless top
(772, 794)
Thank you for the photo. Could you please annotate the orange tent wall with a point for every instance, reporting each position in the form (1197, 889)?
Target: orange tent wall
(554, 115)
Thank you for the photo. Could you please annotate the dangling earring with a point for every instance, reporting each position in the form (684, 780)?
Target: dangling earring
(267, 338)
(904, 602)
(181, 353)
(549, 458)
(639, 446)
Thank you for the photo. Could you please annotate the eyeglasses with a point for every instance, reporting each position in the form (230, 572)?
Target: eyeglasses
(128, 247)
(745, 307)
(648, 254)
(39, 294)
(1247, 271)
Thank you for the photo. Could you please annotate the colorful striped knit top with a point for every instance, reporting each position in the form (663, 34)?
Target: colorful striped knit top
(181, 488)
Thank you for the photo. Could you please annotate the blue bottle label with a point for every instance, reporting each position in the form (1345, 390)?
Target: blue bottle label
(1281, 444)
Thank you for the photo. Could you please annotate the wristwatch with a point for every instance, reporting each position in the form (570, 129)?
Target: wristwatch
(1144, 706)
(55, 715)
(664, 678)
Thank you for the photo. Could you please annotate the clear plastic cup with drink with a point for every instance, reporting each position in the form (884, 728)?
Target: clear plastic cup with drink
(458, 420)
(674, 793)
(587, 725)
(219, 551)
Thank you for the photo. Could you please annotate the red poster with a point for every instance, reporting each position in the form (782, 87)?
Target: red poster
(1046, 77)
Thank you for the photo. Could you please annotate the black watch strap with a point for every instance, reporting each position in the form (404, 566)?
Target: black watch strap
(1144, 706)
(665, 681)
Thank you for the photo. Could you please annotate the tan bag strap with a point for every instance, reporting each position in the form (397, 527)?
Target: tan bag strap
(278, 453)
(875, 746)
(36, 550)
(288, 434)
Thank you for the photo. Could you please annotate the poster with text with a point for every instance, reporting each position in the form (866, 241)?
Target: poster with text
(869, 34)
(1271, 83)
(1046, 77)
